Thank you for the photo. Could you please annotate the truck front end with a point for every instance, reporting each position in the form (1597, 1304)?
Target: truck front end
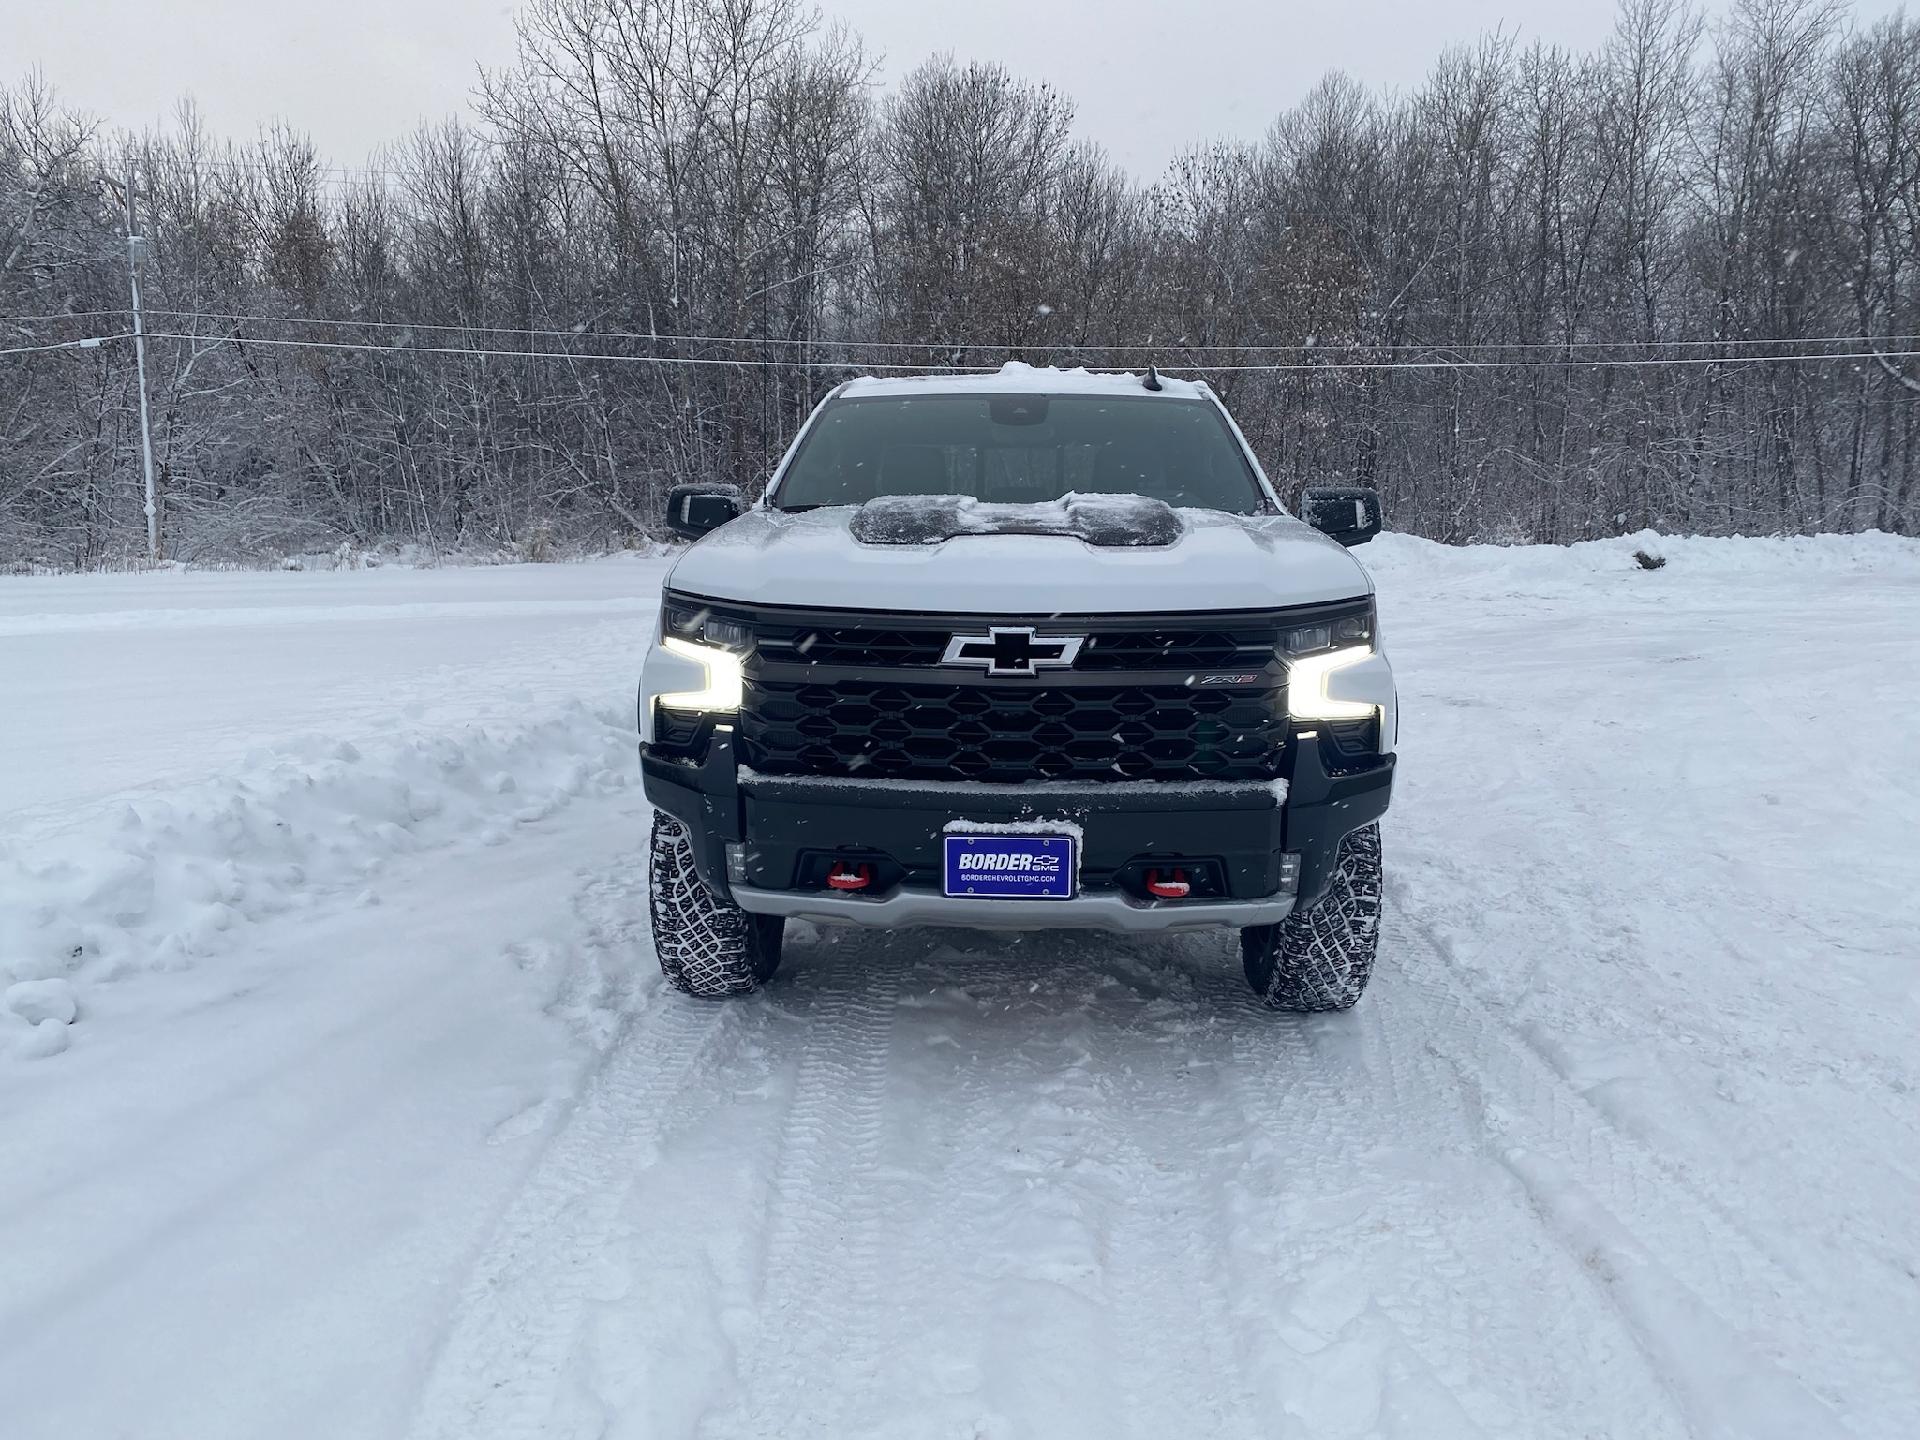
(1034, 650)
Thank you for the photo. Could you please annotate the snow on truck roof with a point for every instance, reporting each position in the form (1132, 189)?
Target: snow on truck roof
(1017, 378)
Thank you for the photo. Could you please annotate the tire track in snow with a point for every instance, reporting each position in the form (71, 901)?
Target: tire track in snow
(1883, 1122)
(515, 1331)
(1670, 1259)
(816, 1341)
(1400, 1294)
(1378, 1251)
(1480, 1271)
(1169, 1264)
(1006, 1311)
(1348, 1197)
(1360, 1295)
(942, 1298)
(518, 1319)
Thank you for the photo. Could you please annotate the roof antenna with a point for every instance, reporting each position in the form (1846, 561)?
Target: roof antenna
(1152, 382)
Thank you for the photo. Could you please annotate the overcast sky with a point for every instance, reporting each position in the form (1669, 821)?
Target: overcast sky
(1149, 76)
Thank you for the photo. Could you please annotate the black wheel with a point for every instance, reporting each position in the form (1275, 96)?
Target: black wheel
(1320, 958)
(707, 946)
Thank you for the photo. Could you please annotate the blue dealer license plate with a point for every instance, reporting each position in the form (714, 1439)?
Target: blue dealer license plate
(1010, 867)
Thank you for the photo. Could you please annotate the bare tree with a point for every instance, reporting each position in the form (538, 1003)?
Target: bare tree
(1674, 282)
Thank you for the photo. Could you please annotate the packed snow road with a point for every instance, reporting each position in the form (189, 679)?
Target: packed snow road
(375, 1120)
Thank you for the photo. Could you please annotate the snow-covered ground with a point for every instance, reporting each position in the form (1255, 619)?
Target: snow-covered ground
(375, 1121)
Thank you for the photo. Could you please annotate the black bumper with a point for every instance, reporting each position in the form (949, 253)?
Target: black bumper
(1233, 837)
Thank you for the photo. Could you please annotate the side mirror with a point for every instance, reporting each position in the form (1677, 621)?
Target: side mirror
(693, 510)
(1347, 513)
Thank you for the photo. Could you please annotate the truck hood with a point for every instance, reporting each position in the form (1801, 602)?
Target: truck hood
(1217, 562)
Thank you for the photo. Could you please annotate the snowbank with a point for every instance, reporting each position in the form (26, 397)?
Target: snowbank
(1561, 569)
(166, 883)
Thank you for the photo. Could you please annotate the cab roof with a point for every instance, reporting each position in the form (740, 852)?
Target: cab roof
(1017, 378)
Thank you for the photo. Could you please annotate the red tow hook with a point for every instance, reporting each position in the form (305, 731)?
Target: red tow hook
(1173, 889)
(850, 877)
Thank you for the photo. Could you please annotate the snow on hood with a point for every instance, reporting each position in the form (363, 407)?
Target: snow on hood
(1096, 519)
(1217, 562)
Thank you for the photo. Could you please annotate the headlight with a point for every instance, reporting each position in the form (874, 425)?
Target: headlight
(1313, 652)
(723, 690)
(1337, 632)
(689, 620)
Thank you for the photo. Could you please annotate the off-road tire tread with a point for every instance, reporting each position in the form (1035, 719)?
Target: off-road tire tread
(708, 947)
(1321, 958)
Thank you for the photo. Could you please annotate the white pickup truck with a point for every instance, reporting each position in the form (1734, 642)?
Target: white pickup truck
(1036, 648)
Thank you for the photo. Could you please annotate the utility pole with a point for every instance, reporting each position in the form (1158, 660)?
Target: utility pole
(136, 250)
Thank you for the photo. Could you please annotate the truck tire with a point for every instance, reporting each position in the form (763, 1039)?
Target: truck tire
(1320, 958)
(707, 947)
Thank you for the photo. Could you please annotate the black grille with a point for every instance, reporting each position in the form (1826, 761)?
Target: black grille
(1012, 733)
(900, 646)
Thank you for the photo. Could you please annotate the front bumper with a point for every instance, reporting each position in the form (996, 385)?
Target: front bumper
(1100, 910)
(1241, 833)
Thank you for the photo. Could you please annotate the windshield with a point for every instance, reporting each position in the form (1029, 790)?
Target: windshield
(1018, 449)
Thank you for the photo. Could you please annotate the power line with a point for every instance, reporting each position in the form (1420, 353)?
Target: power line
(1317, 367)
(326, 174)
(481, 352)
(1594, 344)
(1643, 362)
(1128, 347)
(64, 315)
(88, 343)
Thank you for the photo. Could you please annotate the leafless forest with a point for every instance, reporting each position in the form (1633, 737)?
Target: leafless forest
(1545, 296)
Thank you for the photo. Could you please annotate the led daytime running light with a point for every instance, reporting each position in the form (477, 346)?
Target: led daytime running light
(724, 690)
(1307, 697)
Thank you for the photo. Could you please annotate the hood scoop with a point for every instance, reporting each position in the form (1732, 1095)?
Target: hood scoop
(1103, 520)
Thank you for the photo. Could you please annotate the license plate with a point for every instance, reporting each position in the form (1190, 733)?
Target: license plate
(1010, 867)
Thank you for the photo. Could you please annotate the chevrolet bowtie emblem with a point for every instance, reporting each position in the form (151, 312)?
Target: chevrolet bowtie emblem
(1013, 650)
